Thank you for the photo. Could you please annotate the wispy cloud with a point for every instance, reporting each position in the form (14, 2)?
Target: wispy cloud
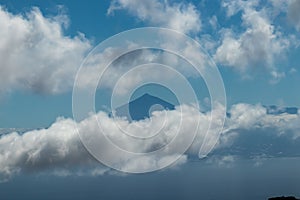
(183, 17)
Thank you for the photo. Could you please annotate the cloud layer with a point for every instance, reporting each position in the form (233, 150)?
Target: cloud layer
(58, 148)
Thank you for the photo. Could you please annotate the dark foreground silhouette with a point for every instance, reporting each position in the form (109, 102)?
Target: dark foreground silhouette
(283, 198)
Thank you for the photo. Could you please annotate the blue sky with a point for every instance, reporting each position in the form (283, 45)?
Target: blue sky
(253, 85)
(254, 44)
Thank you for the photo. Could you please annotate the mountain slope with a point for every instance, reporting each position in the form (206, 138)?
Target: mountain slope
(142, 107)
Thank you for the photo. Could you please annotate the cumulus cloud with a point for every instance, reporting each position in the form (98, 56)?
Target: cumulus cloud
(57, 146)
(37, 56)
(179, 16)
(35, 53)
(59, 149)
(258, 46)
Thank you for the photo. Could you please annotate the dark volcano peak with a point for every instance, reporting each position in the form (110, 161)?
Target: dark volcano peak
(141, 107)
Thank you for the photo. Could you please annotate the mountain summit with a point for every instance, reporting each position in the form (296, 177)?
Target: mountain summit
(141, 107)
(275, 110)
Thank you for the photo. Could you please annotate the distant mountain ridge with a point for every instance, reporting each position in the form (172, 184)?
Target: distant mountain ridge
(283, 198)
(275, 110)
(140, 108)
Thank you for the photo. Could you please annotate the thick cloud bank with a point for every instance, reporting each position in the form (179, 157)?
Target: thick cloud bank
(59, 149)
(36, 55)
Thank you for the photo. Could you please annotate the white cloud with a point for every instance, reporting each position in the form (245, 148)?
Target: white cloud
(293, 13)
(132, 66)
(38, 149)
(279, 6)
(179, 16)
(246, 116)
(293, 70)
(290, 15)
(36, 55)
(58, 148)
(258, 46)
(213, 21)
(137, 67)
